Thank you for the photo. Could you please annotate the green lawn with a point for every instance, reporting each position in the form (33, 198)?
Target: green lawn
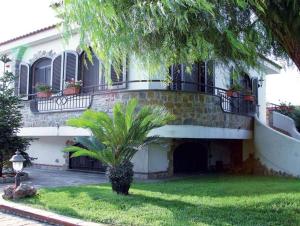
(208, 200)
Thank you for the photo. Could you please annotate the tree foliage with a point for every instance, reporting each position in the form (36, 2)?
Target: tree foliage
(164, 32)
(116, 139)
(10, 118)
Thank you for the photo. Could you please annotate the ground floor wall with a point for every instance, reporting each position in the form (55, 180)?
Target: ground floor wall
(159, 159)
(48, 152)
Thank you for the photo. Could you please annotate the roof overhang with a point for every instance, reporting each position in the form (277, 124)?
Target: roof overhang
(269, 66)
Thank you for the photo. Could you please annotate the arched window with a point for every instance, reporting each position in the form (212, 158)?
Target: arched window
(41, 73)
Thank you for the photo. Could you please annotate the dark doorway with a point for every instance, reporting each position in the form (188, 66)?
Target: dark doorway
(86, 163)
(190, 157)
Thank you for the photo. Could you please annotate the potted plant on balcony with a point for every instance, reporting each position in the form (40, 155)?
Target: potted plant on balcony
(43, 91)
(234, 90)
(72, 87)
(248, 96)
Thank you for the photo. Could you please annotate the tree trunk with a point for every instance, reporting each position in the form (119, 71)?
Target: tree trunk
(121, 177)
(1, 163)
(283, 32)
(295, 56)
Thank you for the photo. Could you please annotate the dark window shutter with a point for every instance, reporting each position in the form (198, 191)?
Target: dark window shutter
(176, 75)
(115, 77)
(90, 73)
(118, 77)
(56, 73)
(202, 76)
(23, 79)
(210, 77)
(255, 88)
(71, 66)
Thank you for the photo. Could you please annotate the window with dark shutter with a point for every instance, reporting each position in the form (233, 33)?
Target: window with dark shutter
(71, 66)
(24, 80)
(210, 82)
(255, 88)
(57, 66)
(199, 76)
(118, 77)
(90, 73)
(176, 75)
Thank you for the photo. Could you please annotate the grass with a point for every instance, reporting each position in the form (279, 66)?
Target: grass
(207, 200)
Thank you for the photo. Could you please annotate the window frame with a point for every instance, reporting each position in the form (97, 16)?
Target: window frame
(32, 67)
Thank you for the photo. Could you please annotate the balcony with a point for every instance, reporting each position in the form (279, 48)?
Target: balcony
(201, 105)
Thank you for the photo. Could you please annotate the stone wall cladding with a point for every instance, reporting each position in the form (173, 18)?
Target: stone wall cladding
(190, 108)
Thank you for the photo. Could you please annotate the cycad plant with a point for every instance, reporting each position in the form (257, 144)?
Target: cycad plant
(116, 139)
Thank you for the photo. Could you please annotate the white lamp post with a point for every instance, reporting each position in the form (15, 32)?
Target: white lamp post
(18, 163)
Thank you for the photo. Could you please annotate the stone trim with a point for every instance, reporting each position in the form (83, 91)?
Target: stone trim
(41, 54)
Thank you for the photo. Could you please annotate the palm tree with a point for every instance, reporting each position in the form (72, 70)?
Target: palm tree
(116, 139)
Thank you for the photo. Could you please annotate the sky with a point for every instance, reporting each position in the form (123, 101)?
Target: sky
(18, 17)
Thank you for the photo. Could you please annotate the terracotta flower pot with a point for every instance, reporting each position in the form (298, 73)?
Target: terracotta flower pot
(231, 93)
(71, 91)
(44, 94)
(249, 98)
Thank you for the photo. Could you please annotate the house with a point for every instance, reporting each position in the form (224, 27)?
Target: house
(213, 130)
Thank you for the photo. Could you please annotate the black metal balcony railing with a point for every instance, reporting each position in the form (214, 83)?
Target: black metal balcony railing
(59, 102)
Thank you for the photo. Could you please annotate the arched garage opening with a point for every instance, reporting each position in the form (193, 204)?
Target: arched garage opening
(85, 163)
(190, 157)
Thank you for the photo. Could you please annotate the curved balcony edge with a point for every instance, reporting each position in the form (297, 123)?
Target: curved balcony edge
(190, 108)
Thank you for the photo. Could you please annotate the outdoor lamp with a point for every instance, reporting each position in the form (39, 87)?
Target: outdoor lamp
(17, 162)
(260, 82)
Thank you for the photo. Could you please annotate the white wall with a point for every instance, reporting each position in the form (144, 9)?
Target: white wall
(222, 76)
(275, 150)
(261, 94)
(153, 158)
(158, 157)
(48, 150)
(285, 123)
(140, 161)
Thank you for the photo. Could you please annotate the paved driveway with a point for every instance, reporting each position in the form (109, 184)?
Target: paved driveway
(57, 178)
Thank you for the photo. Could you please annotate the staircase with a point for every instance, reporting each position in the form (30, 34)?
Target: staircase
(277, 145)
(280, 122)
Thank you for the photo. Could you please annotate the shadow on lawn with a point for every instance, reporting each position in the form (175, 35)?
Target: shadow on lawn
(224, 186)
(274, 212)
